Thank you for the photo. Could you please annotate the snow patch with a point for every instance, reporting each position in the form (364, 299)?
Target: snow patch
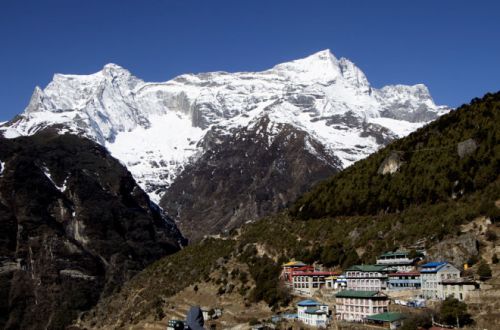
(155, 155)
(400, 127)
(47, 174)
(9, 132)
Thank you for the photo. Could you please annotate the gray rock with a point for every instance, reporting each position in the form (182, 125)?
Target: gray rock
(391, 164)
(466, 147)
(455, 250)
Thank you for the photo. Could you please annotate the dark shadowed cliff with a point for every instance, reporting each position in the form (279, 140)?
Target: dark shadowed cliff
(75, 226)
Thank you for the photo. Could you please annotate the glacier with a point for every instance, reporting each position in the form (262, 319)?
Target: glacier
(157, 128)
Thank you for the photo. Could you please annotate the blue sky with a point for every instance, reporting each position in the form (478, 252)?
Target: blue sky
(452, 46)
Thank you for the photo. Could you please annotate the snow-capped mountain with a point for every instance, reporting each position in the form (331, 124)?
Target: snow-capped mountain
(156, 129)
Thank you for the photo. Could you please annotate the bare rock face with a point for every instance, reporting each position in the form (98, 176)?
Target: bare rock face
(154, 127)
(456, 250)
(466, 147)
(75, 226)
(244, 176)
(391, 164)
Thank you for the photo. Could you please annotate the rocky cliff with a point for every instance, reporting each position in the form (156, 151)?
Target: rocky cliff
(244, 176)
(75, 226)
(165, 132)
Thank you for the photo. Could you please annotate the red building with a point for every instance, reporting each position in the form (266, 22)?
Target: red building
(304, 279)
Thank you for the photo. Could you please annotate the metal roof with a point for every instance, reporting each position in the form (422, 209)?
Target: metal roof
(309, 302)
(313, 273)
(359, 294)
(313, 310)
(386, 317)
(433, 264)
(405, 274)
(294, 263)
(368, 268)
(392, 254)
(432, 267)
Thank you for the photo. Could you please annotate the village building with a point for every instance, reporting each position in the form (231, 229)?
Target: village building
(351, 305)
(367, 277)
(289, 267)
(307, 282)
(404, 281)
(313, 313)
(388, 320)
(336, 282)
(458, 288)
(399, 260)
(432, 274)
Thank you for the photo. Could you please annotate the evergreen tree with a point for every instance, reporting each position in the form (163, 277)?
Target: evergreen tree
(454, 312)
(484, 271)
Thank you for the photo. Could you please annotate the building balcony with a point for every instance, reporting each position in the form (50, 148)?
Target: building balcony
(404, 281)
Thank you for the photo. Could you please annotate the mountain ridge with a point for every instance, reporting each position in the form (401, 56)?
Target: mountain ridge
(160, 130)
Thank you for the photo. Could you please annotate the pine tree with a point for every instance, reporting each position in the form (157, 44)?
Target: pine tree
(484, 271)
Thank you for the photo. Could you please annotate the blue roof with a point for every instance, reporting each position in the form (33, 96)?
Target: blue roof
(309, 302)
(433, 264)
(434, 267)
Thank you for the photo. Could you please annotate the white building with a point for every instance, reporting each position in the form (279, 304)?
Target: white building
(367, 277)
(313, 313)
(308, 282)
(336, 282)
(458, 288)
(404, 281)
(351, 305)
(432, 274)
(399, 260)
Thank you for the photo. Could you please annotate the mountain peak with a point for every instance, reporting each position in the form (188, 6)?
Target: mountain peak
(323, 55)
(321, 66)
(156, 128)
(112, 69)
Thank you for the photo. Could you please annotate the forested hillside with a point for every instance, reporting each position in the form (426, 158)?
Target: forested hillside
(448, 159)
(443, 176)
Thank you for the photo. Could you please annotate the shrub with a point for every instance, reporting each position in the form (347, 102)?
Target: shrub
(221, 291)
(484, 271)
(491, 235)
(452, 311)
(254, 321)
(418, 321)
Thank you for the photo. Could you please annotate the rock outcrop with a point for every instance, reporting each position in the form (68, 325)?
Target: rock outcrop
(466, 147)
(245, 176)
(391, 164)
(75, 226)
(457, 250)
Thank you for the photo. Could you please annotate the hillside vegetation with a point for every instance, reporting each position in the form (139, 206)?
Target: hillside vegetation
(347, 219)
(431, 168)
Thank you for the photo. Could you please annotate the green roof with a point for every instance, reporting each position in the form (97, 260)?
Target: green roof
(397, 253)
(313, 310)
(356, 294)
(386, 317)
(367, 268)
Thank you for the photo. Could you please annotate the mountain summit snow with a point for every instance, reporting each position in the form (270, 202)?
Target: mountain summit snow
(156, 129)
